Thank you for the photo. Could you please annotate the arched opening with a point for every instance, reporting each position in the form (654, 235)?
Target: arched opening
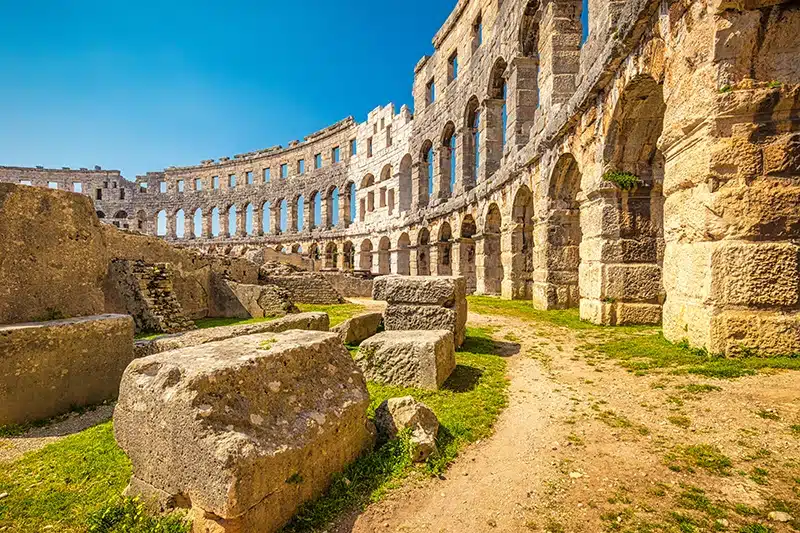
(141, 220)
(384, 256)
(404, 255)
(423, 253)
(197, 222)
(297, 249)
(497, 118)
(367, 202)
(284, 214)
(522, 245)
(215, 222)
(180, 224)
(313, 252)
(365, 257)
(492, 265)
(265, 218)
(161, 220)
(299, 213)
(472, 143)
(448, 161)
(444, 263)
(331, 255)
(386, 173)
(101, 215)
(232, 220)
(350, 204)
(121, 215)
(315, 217)
(249, 226)
(405, 188)
(632, 152)
(466, 255)
(349, 256)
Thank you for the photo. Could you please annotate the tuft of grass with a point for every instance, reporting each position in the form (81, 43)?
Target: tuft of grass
(338, 313)
(695, 499)
(467, 406)
(680, 421)
(72, 485)
(755, 528)
(704, 456)
(768, 414)
(649, 353)
(615, 420)
(695, 388)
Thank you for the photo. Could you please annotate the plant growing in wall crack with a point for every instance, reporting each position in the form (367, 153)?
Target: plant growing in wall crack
(624, 180)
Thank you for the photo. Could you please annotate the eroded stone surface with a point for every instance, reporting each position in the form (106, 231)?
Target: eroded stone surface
(399, 414)
(423, 359)
(244, 430)
(358, 328)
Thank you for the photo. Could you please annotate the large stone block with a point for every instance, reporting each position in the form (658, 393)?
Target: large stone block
(48, 368)
(301, 321)
(358, 328)
(242, 431)
(756, 274)
(429, 317)
(239, 300)
(423, 359)
(444, 291)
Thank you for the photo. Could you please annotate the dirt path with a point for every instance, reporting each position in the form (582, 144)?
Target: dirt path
(583, 443)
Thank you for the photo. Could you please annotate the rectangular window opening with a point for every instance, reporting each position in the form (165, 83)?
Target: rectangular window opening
(430, 93)
(180, 186)
(318, 161)
(249, 176)
(284, 171)
(267, 175)
(452, 68)
(78, 187)
(162, 187)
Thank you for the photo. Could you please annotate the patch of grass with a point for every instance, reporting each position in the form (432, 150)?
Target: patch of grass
(745, 510)
(338, 313)
(795, 429)
(755, 528)
(695, 388)
(129, 516)
(614, 420)
(467, 406)
(69, 483)
(647, 353)
(759, 476)
(695, 498)
(768, 414)
(680, 421)
(705, 456)
(205, 323)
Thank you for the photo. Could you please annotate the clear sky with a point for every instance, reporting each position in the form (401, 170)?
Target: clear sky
(140, 86)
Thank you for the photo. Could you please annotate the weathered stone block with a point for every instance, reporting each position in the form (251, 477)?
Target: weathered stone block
(48, 368)
(444, 291)
(756, 274)
(358, 328)
(245, 430)
(423, 359)
(412, 317)
(399, 414)
(301, 321)
(238, 300)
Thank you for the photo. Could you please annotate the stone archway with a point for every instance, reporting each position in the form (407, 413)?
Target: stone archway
(489, 263)
(423, 253)
(404, 255)
(521, 279)
(466, 252)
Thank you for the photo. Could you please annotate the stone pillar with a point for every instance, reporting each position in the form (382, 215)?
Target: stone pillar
(308, 214)
(491, 133)
(292, 217)
(413, 260)
(208, 219)
(442, 168)
(560, 36)
(171, 227)
(275, 223)
(325, 216)
(464, 262)
(258, 221)
(480, 264)
(523, 100)
(419, 183)
(434, 255)
(510, 284)
(188, 226)
(464, 165)
(345, 203)
(241, 221)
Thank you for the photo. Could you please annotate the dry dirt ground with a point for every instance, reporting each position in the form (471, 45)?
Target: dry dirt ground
(587, 446)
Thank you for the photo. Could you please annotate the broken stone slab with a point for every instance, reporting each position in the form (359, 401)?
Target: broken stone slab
(238, 300)
(405, 317)
(443, 291)
(242, 432)
(396, 415)
(358, 328)
(303, 321)
(423, 359)
(50, 368)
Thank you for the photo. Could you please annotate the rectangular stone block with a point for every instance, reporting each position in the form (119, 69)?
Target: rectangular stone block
(412, 317)
(737, 333)
(243, 431)
(48, 368)
(443, 291)
(359, 328)
(423, 359)
(756, 274)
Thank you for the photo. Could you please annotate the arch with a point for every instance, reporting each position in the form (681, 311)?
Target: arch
(197, 223)
(497, 121)
(315, 216)
(367, 181)
(141, 220)
(404, 255)
(296, 248)
(266, 218)
(423, 252)
(284, 215)
(161, 219)
(472, 143)
(101, 215)
(529, 30)
(299, 213)
(331, 255)
(313, 251)
(466, 254)
(522, 245)
(349, 208)
(447, 161)
(365, 257)
(444, 265)
(121, 214)
(386, 172)
(348, 256)
(384, 256)
(405, 187)
(490, 272)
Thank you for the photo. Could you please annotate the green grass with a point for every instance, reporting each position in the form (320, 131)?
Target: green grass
(205, 323)
(704, 456)
(489, 305)
(338, 312)
(68, 484)
(645, 353)
(467, 407)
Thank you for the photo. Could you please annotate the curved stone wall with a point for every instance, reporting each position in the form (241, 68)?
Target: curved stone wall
(650, 174)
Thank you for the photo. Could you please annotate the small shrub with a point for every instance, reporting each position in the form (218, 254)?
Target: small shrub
(624, 180)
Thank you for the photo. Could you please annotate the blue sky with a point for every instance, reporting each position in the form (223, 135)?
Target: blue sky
(143, 85)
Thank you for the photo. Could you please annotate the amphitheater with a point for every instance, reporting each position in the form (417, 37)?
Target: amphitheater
(644, 171)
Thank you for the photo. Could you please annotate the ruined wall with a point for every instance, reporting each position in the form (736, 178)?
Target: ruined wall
(646, 175)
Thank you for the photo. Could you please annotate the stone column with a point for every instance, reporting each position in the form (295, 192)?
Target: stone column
(464, 262)
(559, 52)
(413, 260)
(491, 133)
(188, 226)
(523, 100)
(433, 258)
(241, 221)
(208, 224)
(418, 184)
(325, 207)
(510, 284)
(308, 214)
(275, 223)
(258, 221)
(464, 168)
(480, 264)
(442, 168)
(171, 227)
